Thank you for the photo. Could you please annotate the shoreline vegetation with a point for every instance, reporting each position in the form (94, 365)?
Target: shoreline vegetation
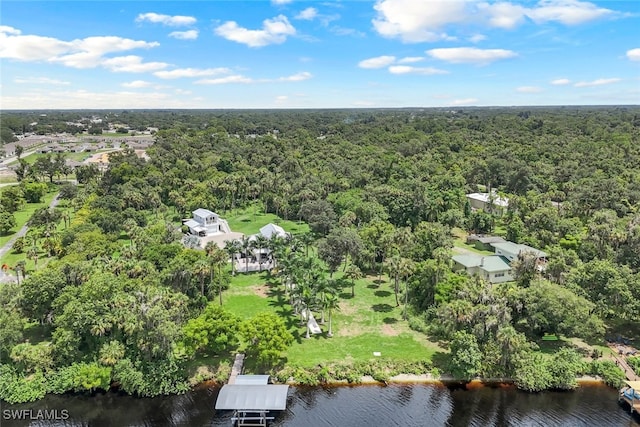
(114, 295)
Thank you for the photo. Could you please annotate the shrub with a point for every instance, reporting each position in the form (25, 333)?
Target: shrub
(610, 373)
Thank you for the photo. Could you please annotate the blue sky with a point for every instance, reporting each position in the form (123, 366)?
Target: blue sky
(317, 54)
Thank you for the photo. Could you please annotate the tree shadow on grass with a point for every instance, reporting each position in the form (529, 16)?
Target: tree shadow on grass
(384, 308)
(345, 295)
(390, 320)
(382, 294)
(373, 286)
(441, 360)
(379, 282)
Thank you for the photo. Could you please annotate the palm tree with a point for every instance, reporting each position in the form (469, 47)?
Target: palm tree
(407, 269)
(201, 268)
(217, 258)
(331, 303)
(399, 268)
(232, 247)
(353, 273)
(20, 269)
(32, 253)
(246, 245)
(306, 239)
(260, 243)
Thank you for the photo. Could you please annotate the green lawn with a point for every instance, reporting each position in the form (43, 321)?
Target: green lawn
(78, 157)
(22, 217)
(248, 221)
(370, 322)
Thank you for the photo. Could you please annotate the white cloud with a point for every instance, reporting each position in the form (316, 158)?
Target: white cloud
(274, 31)
(236, 78)
(471, 55)
(426, 21)
(410, 59)
(132, 64)
(191, 72)
(83, 99)
(560, 82)
(308, 14)
(305, 75)
(407, 69)
(568, 12)
(417, 21)
(529, 89)
(281, 99)
(79, 53)
(40, 81)
(136, 84)
(477, 38)
(184, 35)
(503, 15)
(183, 92)
(342, 31)
(9, 30)
(634, 54)
(598, 82)
(464, 101)
(377, 62)
(280, 2)
(173, 21)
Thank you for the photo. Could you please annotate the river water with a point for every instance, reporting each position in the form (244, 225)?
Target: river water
(367, 406)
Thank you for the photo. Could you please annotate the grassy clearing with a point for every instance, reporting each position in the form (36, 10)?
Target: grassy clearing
(22, 216)
(369, 322)
(249, 221)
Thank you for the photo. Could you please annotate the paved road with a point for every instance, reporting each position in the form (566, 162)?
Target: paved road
(7, 246)
(8, 160)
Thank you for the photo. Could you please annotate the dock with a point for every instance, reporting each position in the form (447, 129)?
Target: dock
(236, 369)
(631, 396)
(621, 361)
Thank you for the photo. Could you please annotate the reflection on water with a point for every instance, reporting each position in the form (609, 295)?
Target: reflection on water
(369, 406)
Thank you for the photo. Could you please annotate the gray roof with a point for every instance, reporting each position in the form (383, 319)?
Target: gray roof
(203, 212)
(484, 197)
(516, 248)
(252, 397)
(489, 263)
(490, 239)
(252, 379)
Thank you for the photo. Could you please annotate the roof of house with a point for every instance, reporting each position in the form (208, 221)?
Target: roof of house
(195, 225)
(516, 248)
(490, 239)
(484, 197)
(203, 213)
(252, 397)
(252, 380)
(489, 263)
(271, 229)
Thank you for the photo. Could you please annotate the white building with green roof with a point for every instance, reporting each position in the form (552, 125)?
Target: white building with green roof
(492, 268)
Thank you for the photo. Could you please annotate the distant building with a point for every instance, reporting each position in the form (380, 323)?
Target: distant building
(206, 223)
(488, 202)
(492, 268)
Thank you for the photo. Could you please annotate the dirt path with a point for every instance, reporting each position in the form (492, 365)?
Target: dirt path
(23, 230)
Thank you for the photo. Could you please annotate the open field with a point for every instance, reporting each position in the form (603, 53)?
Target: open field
(367, 323)
(250, 220)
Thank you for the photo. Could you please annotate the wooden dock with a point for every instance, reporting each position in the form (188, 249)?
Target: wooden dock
(236, 370)
(621, 361)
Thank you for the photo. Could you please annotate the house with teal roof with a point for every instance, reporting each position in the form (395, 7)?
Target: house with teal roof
(492, 268)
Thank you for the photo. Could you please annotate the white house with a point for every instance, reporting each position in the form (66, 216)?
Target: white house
(488, 202)
(492, 268)
(271, 230)
(511, 251)
(206, 223)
